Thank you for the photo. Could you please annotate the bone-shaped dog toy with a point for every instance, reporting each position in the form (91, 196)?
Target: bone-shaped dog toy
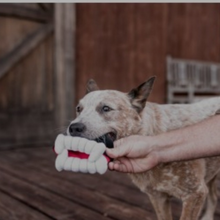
(80, 155)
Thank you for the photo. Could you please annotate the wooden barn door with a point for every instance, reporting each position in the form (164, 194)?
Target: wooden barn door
(33, 78)
(121, 46)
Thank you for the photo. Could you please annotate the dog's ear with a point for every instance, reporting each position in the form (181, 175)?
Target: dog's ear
(91, 86)
(139, 95)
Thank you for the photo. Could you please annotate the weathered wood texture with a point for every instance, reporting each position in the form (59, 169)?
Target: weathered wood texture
(24, 12)
(24, 48)
(27, 98)
(64, 61)
(27, 83)
(35, 190)
(192, 31)
(121, 45)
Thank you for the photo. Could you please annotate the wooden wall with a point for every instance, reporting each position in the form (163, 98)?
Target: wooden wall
(193, 31)
(26, 76)
(36, 72)
(121, 45)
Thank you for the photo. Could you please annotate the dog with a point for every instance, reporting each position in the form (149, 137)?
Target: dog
(114, 115)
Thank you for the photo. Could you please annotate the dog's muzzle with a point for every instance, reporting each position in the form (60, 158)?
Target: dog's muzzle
(77, 129)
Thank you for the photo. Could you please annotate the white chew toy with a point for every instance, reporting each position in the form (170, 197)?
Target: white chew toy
(96, 162)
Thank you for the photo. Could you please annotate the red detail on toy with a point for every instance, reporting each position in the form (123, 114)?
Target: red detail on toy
(81, 155)
(78, 154)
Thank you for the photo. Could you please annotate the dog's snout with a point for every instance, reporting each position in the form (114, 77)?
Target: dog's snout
(76, 129)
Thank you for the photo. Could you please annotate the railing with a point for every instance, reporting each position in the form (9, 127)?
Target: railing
(189, 81)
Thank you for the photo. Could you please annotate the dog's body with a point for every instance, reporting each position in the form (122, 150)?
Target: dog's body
(120, 115)
(190, 181)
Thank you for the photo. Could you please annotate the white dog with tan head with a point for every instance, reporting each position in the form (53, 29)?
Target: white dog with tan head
(110, 114)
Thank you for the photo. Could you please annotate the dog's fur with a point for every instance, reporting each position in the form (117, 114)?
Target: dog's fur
(191, 181)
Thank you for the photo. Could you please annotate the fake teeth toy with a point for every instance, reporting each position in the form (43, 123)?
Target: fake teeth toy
(80, 155)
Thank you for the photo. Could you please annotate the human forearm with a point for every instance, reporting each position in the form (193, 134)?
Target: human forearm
(196, 141)
(140, 153)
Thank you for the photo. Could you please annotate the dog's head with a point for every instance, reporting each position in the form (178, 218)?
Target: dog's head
(109, 114)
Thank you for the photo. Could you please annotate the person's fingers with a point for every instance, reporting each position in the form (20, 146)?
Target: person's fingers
(120, 149)
(121, 165)
(115, 166)
(134, 165)
(111, 165)
(119, 142)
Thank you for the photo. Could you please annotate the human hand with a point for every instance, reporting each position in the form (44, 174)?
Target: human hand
(133, 154)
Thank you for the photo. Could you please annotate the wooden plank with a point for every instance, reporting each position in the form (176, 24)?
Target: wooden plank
(22, 12)
(25, 47)
(64, 61)
(75, 192)
(43, 200)
(118, 184)
(13, 209)
(127, 193)
(43, 159)
(60, 66)
(46, 157)
(49, 102)
(69, 38)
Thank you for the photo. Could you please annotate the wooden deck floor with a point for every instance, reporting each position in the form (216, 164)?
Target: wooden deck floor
(31, 189)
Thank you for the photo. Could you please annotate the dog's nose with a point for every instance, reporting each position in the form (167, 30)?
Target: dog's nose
(76, 129)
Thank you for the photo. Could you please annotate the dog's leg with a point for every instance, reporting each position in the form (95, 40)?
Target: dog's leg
(211, 200)
(193, 203)
(161, 204)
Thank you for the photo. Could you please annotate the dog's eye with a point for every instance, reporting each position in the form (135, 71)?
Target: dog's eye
(106, 108)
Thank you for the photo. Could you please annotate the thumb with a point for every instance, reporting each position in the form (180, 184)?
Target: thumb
(120, 149)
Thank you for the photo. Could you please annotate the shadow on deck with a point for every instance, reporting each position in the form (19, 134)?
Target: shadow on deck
(31, 189)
